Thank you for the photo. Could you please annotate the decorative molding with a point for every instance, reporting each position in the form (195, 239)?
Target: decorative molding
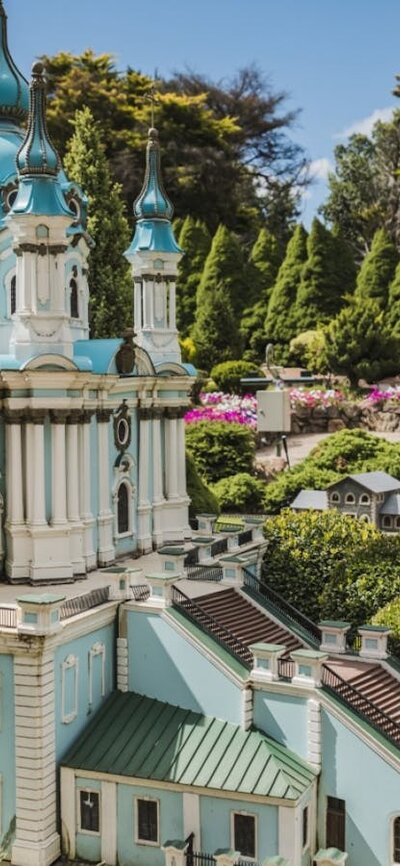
(71, 663)
(103, 415)
(125, 358)
(122, 427)
(122, 664)
(98, 649)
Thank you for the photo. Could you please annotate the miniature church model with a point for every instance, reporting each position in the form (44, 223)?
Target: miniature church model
(92, 462)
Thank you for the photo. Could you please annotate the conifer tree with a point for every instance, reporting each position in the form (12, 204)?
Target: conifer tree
(263, 265)
(224, 269)
(109, 273)
(359, 345)
(280, 324)
(328, 276)
(393, 307)
(377, 270)
(195, 241)
(215, 332)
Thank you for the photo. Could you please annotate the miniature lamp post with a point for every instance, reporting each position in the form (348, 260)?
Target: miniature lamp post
(273, 407)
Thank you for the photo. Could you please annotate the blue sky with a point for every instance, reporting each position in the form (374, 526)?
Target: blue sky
(335, 58)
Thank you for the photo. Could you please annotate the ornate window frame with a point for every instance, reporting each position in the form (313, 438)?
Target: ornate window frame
(98, 649)
(71, 662)
(123, 475)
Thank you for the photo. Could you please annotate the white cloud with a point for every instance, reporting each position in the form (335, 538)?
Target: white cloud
(366, 124)
(320, 168)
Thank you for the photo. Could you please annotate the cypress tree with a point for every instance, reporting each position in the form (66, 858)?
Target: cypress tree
(377, 270)
(215, 331)
(327, 277)
(110, 307)
(280, 324)
(195, 241)
(263, 265)
(393, 307)
(358, 343)
(224, 269)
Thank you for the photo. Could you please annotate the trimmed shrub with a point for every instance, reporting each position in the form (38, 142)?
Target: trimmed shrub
(331, 566)
(389, 615)
(241, 493)
(202, 498)
(220, 448)
(227, 376)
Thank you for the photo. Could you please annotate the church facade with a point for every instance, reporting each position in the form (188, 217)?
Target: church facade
(91, 431)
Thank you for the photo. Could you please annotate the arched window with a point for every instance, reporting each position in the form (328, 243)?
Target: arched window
(350, 499)
(335, 497)
(73, 287)
(397, 522)
(364, 517)
(396, 840)
(13, 294)
(387, 521)
(123, 508)
(365, 499)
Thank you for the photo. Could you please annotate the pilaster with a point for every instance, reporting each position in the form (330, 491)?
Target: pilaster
(105, 519)
(87, 518)
(144, 505)
(73, 508)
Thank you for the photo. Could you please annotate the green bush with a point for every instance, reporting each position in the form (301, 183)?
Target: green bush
(227, 376)
(241, 493)
(343, 453)
(389, 615)
(220, 448)
(331, 566)
(202, 498)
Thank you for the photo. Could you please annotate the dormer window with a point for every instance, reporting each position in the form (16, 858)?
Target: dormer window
(350, 499)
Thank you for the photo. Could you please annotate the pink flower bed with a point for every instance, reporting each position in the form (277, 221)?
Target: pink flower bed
(218, 406)
(382, 395)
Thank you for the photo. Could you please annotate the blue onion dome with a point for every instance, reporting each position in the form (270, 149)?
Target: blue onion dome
(153, 202)
(37, 155)
(14, 89)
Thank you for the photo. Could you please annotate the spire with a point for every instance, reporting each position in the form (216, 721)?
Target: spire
(14, 94)
(40, 182)
(153, 202)
(37, 155)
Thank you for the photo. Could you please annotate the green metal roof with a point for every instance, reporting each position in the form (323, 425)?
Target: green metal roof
(136, 736)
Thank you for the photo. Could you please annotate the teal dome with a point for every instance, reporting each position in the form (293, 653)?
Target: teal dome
(153, 202)
(14, 90)
(37, 155)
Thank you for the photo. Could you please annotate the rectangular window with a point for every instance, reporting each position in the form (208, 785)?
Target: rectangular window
(305, 827)
(147, 821)
(335, 823)
(396, 840)
(89, 811)
(244, 834)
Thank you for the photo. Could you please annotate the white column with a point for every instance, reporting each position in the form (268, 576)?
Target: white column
(108, 823)
(144, 442)
(85, 490)
(105, 516)
(181, 457)
(138, 306)
(171, 456)
(38, 470)
(172, 306)
(191, 818)
(68, 812)
(157, 458)
(37, 842)
(14, 491)
(72, 471)
(59, 482)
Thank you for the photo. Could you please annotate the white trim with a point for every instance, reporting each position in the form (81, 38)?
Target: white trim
(68, 812)
(71, 663)
(191, 818)
(108, 822)
(98, 649)
(287, 833)
(253, 815)
(138, 841)
(305, 845)
(81, 829)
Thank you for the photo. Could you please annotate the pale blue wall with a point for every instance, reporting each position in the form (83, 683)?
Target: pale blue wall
(283, 717)
(171, 824)
(88, 845)
(163, 665)
(7, 742)
(67, 732)
(215, 822)
(353, 772)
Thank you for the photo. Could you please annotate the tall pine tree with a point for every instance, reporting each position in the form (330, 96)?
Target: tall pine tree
(281, 324)
(393, 307)
(224, 269)
(328, 276)
(110, 308)
(377, 270)
(195, 241)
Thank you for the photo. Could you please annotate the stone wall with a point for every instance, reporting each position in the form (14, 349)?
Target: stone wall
(329, 419)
